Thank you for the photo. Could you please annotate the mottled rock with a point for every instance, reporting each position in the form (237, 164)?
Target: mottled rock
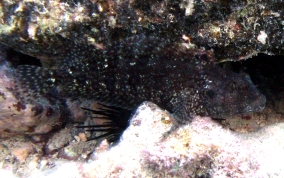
(241, 29)
(234, 29)
(18, 117)
(58, 140)
(152, 148)
(23, 152)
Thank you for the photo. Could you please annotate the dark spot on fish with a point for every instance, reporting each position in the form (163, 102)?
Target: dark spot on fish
(3, 95)
(38, 109)
(31, 129)
(19, 106)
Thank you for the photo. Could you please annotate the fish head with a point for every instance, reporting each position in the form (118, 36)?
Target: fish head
(227, 93)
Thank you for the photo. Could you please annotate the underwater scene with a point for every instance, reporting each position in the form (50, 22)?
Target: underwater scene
(168, 88)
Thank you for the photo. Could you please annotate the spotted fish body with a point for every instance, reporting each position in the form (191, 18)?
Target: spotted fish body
(146, 68)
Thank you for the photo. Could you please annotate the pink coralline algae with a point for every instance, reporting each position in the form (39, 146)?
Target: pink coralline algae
(202, 148)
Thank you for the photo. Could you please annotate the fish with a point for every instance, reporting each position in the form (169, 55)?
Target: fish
(185, 82)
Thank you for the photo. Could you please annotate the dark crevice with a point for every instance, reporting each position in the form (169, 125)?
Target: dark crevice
(266, 72)
(17, 58)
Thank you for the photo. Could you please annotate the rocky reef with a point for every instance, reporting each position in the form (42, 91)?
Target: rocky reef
(21, 118)
(200, 149)
(235, 29)
(39, 138)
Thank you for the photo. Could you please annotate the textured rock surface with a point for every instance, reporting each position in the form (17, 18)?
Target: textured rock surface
(18, 117)
(234, 29)
(150, 147)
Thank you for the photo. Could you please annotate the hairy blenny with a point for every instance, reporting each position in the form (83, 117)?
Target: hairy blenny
(141, 68)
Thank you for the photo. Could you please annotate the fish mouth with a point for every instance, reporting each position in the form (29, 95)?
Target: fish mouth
(257, 105)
